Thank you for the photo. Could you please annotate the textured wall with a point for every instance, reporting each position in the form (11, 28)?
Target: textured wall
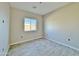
(17, 30)
(63, 25)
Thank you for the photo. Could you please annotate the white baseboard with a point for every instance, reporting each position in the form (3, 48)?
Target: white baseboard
(74, 48)
(24, 41)
(6, 51)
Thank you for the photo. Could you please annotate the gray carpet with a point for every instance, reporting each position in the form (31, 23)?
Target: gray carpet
(41, 47)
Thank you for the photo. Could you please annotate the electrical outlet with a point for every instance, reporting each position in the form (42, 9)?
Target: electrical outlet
(21, 36)
(3, 21)
(69, 39)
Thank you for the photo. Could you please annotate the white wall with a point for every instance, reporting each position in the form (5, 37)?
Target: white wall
(17, 30)
(63, 24)
(4, 28)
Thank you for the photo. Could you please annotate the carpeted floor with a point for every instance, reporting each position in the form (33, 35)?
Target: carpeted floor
(41, 47)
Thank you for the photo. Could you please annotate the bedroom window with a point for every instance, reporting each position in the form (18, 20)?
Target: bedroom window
(30, 24)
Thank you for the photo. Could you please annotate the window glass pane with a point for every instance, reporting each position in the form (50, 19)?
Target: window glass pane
(27, 24)
(33, 24)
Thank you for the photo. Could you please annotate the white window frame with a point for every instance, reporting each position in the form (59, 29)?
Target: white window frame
(30, 19)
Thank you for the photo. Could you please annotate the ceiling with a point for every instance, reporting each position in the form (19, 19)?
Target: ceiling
(40, 8)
